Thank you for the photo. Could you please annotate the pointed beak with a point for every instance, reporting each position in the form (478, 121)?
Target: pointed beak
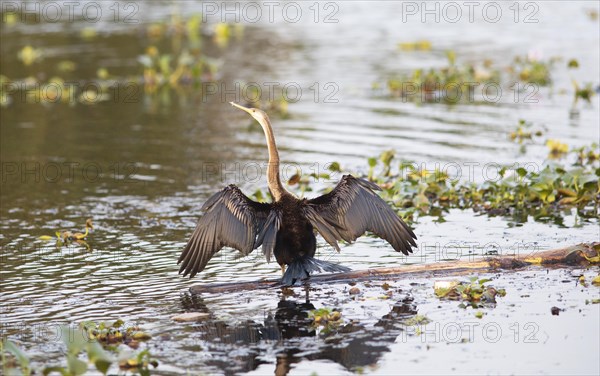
(248, 110)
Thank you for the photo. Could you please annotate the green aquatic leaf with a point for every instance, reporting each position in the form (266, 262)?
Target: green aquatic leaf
(118, 323)
(573, 63)
(73, 338)
(100, 357)
(75, 366)
(334, 167)
(21, 356)
(55, 369)
(521, 172)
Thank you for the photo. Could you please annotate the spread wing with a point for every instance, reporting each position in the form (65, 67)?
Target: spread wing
(351, 209)
(231, 220)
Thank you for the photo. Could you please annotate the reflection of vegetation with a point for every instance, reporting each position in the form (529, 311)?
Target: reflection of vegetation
(474, 292)
(87, 340)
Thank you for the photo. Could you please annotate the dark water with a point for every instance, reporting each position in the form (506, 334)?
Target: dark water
(141, 165)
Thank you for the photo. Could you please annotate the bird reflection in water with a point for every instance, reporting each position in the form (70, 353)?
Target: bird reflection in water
(243, 347)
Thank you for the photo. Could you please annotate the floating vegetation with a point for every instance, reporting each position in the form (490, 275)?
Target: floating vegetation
(325, 319)
(20, 362)
(416, 320)
(68, 236)
(115, 333)
(275, 104)
(451, 84)
(583, 92)
(223, 32)
(524, 132)
(88, 33)
(480, 82)
(165, 69)
(139, 362)
(474, 293)
(186, 62)
(531, 69)
(419, 45)
(547, 193)
(29, 55)
(175, 57)
(303, 181)
(594, 260)
(586, 155)
(87, 339)
(592, 14)
(556, 148)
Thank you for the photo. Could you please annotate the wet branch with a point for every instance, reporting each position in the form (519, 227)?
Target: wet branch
(583, 254)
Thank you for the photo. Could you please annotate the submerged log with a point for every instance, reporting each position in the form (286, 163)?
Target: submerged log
(583, 254)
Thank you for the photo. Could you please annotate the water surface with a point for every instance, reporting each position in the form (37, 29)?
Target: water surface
(142, 169)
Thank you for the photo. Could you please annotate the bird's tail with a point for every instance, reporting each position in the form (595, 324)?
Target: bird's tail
(303, 267)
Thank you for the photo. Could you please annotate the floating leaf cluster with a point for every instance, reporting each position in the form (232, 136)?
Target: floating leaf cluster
(473, 293)
(419, 45)
(96, 342)
(524, 133)
(547, 195)
(115, 333)
(556, 190)
(533, 70)
(459, 83)
(450, 84)
(325, 319)
(275, 105)
(66, 237)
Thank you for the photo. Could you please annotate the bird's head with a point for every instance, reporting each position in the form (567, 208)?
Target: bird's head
(258, 114)
(89, 224)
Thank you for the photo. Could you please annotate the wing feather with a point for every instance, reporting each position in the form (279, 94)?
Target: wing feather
(231, 220)
(268, 234)
(351, 209)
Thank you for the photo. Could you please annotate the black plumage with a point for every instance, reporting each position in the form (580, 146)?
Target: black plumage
(286, 227)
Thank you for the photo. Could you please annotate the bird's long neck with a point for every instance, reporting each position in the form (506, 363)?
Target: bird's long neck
(273, 179)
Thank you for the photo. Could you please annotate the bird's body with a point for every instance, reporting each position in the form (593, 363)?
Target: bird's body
(296, 237)
(286, 227)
